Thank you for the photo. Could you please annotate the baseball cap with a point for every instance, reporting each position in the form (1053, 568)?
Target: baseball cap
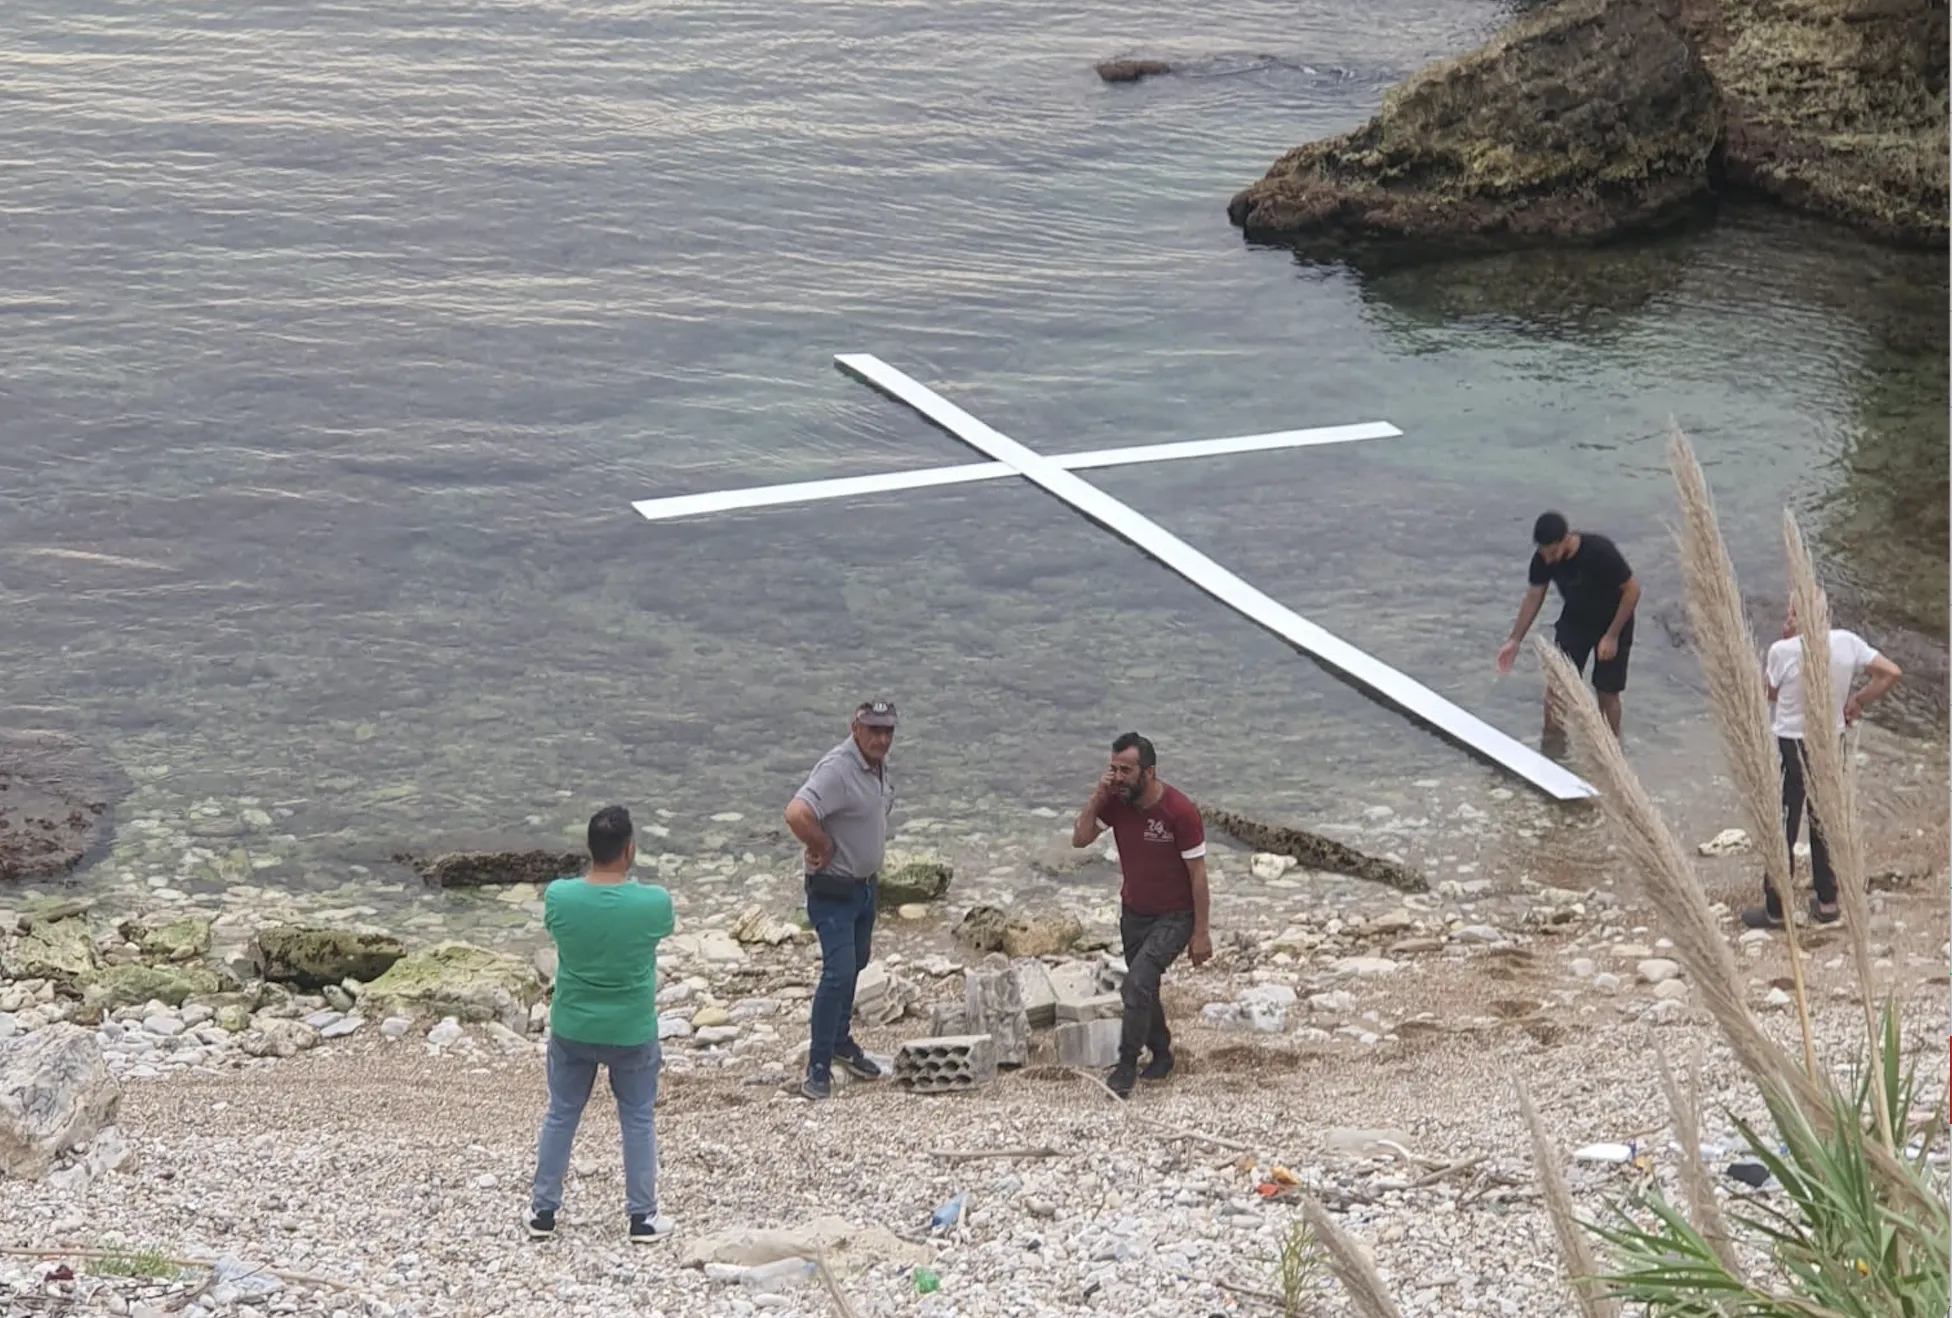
(876, 714)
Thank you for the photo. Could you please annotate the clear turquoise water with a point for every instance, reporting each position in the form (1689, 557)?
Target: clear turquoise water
(337, 340)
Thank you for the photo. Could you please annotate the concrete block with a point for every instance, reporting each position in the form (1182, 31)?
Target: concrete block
(1038, 993)
(1073, 979)
(1102, 1006)
(945, 1065)
(994, 1005)
(870, 991)
(1091, 1044)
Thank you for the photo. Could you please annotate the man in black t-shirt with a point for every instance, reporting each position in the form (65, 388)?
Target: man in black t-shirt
(1599, 592)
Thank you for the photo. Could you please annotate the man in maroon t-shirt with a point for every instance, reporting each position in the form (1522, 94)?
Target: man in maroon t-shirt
(1162, 852)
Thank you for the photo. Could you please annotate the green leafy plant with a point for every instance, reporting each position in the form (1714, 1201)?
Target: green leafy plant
(1298, 1269)
(142, 1263)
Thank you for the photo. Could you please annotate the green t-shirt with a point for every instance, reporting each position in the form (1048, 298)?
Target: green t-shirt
(606, 958)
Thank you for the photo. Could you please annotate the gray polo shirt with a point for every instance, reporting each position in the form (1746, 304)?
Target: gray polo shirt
(852, 802)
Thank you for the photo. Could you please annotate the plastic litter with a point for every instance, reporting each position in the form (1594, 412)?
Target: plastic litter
(951, 1213)
(926, 1281)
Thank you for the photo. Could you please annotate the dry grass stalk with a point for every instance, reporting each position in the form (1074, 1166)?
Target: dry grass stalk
(1832, 777)
(1704, 1207)
(1582, 1268)
(1737, 694)
(1349, 1264)
(1668, 882)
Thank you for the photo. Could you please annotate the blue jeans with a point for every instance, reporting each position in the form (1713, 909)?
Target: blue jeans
(846, 929)
(633, 1079)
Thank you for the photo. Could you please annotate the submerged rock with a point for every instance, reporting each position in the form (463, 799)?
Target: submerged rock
(313, 957)
(55, 804)
(1131, 70)
(494, 869)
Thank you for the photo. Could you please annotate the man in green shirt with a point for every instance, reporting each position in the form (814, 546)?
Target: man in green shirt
(604, 1013)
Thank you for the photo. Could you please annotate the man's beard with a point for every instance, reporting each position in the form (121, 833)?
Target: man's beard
(1135, 793)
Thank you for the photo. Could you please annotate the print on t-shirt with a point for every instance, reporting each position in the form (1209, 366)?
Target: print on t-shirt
(1153, 848)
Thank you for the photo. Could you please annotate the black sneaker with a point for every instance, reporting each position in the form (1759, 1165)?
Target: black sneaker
(1159, 1067)
(817, 1087)
(650, 1228)
(861, 1066)
(1818, 914)
(542, 1224)
(1758, 918)
(1123, 1077)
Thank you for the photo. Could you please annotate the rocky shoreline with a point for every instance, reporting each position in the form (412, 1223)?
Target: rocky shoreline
(1589, 120)
(1356, 1057)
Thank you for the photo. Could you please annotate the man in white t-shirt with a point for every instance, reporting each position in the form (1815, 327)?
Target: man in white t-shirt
(1850, 655)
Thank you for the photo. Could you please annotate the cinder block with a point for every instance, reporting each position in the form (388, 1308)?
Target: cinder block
(1091, 1044)
(1104, 1006)
(1039, 994)
(939, 1065)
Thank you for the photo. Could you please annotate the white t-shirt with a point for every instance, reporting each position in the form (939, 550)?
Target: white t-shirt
(1850, 655)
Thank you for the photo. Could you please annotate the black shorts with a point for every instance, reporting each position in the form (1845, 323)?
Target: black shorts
(1609, 675)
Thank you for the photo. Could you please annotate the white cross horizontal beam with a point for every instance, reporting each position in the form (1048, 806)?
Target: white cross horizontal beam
(1405, 693)
(762, 496)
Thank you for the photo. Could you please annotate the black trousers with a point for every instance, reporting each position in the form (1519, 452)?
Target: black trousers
(1152, 942)
(1795, 803)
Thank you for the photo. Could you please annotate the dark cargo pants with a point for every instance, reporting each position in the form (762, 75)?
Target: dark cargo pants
(1152, 942)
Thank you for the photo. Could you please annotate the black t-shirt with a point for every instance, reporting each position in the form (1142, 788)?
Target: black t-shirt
(1589, 580)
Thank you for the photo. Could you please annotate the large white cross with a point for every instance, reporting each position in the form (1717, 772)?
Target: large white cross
(1054, 474)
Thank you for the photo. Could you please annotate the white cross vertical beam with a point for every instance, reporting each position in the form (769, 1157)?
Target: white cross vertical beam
(1405, 693)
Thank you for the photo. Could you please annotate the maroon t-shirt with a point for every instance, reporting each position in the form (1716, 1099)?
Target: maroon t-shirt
(1153, 848)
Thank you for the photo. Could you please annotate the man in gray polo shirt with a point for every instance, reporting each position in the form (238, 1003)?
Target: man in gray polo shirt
(840, 815)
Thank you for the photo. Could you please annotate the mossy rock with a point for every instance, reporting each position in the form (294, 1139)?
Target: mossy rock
(179, 940)
(311, 956)
(460, 980)
(1581, 122)
(59, 950)
(917, 880)
(134, 984)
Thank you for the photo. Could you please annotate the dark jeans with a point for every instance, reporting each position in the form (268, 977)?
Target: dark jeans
(846, 929)
(1152, 942)
(1795, 799)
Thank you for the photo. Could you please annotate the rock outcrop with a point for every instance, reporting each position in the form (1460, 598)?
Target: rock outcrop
(1590, 118)
(1586, 120)
(1835, 107)
(55, 1093)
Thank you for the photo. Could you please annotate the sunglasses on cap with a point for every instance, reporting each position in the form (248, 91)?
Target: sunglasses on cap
(876, 714)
